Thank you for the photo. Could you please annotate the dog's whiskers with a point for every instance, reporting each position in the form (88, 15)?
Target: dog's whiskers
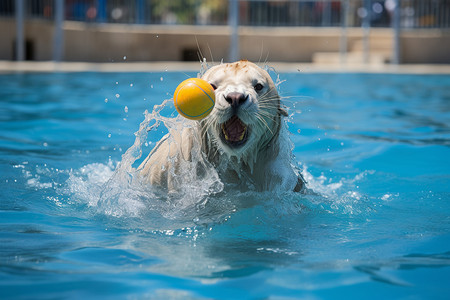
(267, 116)
(261, 119)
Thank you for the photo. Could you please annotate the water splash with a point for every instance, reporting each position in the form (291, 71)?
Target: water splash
(118, 189)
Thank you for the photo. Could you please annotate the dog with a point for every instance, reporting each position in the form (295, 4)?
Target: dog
(240, 138)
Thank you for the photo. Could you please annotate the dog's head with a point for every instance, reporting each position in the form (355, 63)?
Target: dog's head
(247, 112)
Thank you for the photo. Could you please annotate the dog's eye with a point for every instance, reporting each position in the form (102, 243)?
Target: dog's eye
(214, 86)
(258, 87)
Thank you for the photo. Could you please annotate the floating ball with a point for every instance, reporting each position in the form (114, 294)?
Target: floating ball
(194, 98)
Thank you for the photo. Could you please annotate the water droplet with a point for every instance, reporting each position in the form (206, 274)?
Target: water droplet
(385, 197)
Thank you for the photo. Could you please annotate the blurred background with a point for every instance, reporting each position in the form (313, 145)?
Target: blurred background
(320, 31)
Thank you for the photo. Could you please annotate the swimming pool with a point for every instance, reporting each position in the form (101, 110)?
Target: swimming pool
(374, 147)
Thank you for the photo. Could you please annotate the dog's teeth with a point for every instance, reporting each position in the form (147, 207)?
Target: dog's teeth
(225, 132)
(242, 135)
(233, 134)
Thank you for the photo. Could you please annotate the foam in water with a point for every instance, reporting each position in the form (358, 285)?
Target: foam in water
(127, 193)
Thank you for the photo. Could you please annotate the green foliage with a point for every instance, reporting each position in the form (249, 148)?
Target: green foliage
(186, 11)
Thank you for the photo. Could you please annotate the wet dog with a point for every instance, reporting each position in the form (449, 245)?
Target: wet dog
(240, 138)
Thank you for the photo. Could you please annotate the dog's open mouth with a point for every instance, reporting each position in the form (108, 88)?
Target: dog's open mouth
(234, 132)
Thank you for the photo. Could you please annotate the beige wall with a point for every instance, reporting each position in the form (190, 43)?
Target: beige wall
(39, 33)
(106, 43)
(111, 42)
(426, 46)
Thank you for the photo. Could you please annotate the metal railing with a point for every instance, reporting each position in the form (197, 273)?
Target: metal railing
(233, 13)
(413, 13)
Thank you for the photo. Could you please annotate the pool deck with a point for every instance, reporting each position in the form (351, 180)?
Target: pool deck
(46, 66)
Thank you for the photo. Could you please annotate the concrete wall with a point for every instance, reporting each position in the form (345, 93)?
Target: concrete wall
(38, 34)
(106, 43)
(111, 42)
(426, 46)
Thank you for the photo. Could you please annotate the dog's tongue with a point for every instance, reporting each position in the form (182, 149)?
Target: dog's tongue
(234, 129)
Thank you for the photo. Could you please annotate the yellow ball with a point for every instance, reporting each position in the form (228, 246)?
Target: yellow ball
(194, 98)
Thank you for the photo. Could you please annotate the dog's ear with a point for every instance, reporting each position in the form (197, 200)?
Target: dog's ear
(282, 112)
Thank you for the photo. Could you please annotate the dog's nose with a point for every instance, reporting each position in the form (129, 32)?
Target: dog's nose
(236, 99)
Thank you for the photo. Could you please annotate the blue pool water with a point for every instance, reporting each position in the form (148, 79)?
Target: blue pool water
(374, 147)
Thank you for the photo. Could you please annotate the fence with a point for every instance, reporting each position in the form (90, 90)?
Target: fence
(414, 13)
(234, 13)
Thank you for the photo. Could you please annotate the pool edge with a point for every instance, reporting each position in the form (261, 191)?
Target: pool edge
(284, 67)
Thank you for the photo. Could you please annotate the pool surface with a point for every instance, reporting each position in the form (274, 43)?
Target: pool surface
(375, 148)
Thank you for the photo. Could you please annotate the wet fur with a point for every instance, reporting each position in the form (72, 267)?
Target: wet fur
(257, 163)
